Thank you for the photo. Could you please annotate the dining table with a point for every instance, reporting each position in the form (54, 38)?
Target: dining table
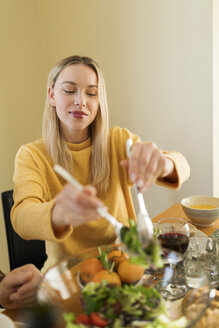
(175, 211)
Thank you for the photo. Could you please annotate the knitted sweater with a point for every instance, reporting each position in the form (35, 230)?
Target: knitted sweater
(36, 185)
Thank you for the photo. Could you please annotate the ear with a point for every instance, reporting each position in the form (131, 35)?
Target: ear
(51, 96)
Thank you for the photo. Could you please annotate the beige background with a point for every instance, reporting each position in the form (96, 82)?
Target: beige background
(157, 58)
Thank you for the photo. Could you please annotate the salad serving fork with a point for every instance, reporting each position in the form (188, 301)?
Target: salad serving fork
(144, 224)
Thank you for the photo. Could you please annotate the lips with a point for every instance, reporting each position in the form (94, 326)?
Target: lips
(78, 114)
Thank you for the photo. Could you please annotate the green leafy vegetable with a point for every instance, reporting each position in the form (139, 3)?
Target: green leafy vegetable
(148, 257)
(126, 302)
(103, 258)
(127, 306)
(69, 319)
(164, 322)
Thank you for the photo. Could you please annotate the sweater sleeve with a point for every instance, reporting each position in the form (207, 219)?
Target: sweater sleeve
(182, 170)
(31, 213)
(180, 163)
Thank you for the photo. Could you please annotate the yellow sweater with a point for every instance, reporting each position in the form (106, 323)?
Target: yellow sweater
(36, 185)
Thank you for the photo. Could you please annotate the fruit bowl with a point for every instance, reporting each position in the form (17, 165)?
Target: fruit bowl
(60, 287)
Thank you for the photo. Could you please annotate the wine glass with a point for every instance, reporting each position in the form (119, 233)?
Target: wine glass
(173, 234)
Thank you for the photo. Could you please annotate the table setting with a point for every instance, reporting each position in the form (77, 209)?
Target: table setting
(184, 310)
(196, 269)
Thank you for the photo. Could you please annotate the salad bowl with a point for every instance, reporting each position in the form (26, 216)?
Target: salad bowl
(128, 305)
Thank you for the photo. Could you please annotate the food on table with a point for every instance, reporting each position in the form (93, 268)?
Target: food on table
(202, 207)
(117, 257)
(126, 306)
(148, 257)
(89, 268)
(130, 272)
(191, 298)
(112, 266)
(84, 319)
(128, 269)
(193, 303)
(128, 302)
(111, 277)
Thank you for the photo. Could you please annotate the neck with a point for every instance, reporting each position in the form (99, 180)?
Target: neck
(76, 137)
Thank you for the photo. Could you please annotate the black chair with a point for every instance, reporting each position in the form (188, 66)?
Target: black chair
(20, 251)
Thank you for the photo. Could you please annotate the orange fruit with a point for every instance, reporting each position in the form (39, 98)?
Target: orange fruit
(130, 272)
(117, 257)
(89, 268)
(109, 276)
(114, 253)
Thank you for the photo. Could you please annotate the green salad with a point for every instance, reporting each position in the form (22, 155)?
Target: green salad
(148, 257)
(117, 307)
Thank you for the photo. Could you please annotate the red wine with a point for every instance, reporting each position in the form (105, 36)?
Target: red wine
(174, 241)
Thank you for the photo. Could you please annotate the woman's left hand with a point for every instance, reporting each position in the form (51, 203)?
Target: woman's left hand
(146, 164)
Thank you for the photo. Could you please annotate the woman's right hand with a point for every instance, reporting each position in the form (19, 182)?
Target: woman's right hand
(73, 207)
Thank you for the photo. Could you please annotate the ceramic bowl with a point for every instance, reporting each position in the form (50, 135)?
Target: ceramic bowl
(201, 217)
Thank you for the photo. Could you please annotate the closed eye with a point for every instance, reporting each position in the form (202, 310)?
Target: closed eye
(91, 94)
(69, 91)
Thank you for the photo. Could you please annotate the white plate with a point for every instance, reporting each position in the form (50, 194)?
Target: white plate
(6, 322)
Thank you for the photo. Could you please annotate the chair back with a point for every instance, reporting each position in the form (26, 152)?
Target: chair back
(20, 251)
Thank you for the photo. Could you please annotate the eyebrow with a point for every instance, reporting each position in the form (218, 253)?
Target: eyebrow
(73, 83)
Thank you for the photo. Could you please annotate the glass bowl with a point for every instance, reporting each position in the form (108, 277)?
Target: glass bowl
(60, 287)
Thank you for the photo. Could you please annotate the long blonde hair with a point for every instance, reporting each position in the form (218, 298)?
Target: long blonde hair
(99, 129)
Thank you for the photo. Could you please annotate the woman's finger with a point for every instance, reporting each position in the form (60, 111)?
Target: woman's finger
(133, 167)
(152, 171)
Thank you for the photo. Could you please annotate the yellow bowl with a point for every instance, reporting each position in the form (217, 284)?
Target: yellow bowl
(206, 211)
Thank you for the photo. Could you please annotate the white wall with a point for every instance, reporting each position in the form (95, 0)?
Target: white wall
(21, 91)
(215, 37)
(169, 77)
(157, 60)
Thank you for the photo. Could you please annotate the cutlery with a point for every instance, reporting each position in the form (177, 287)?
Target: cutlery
(144, 224)
(101, 210)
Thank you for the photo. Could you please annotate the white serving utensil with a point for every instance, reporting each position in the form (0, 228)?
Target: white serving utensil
(144, 224)
(101, 210)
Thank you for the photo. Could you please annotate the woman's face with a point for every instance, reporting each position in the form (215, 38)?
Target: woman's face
(75, 96)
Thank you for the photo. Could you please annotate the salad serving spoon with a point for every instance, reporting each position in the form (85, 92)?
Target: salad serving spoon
(101, 210)
(145, 227)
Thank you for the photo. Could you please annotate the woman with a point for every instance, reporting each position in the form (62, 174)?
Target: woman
(76, 136)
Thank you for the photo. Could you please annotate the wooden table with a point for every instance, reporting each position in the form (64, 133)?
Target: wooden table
(177, 212)
(173, 211)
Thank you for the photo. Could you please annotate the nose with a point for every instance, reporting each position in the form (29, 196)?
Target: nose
(79, 99)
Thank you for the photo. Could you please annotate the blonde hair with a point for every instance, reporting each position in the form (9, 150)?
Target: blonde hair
(99, 129)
